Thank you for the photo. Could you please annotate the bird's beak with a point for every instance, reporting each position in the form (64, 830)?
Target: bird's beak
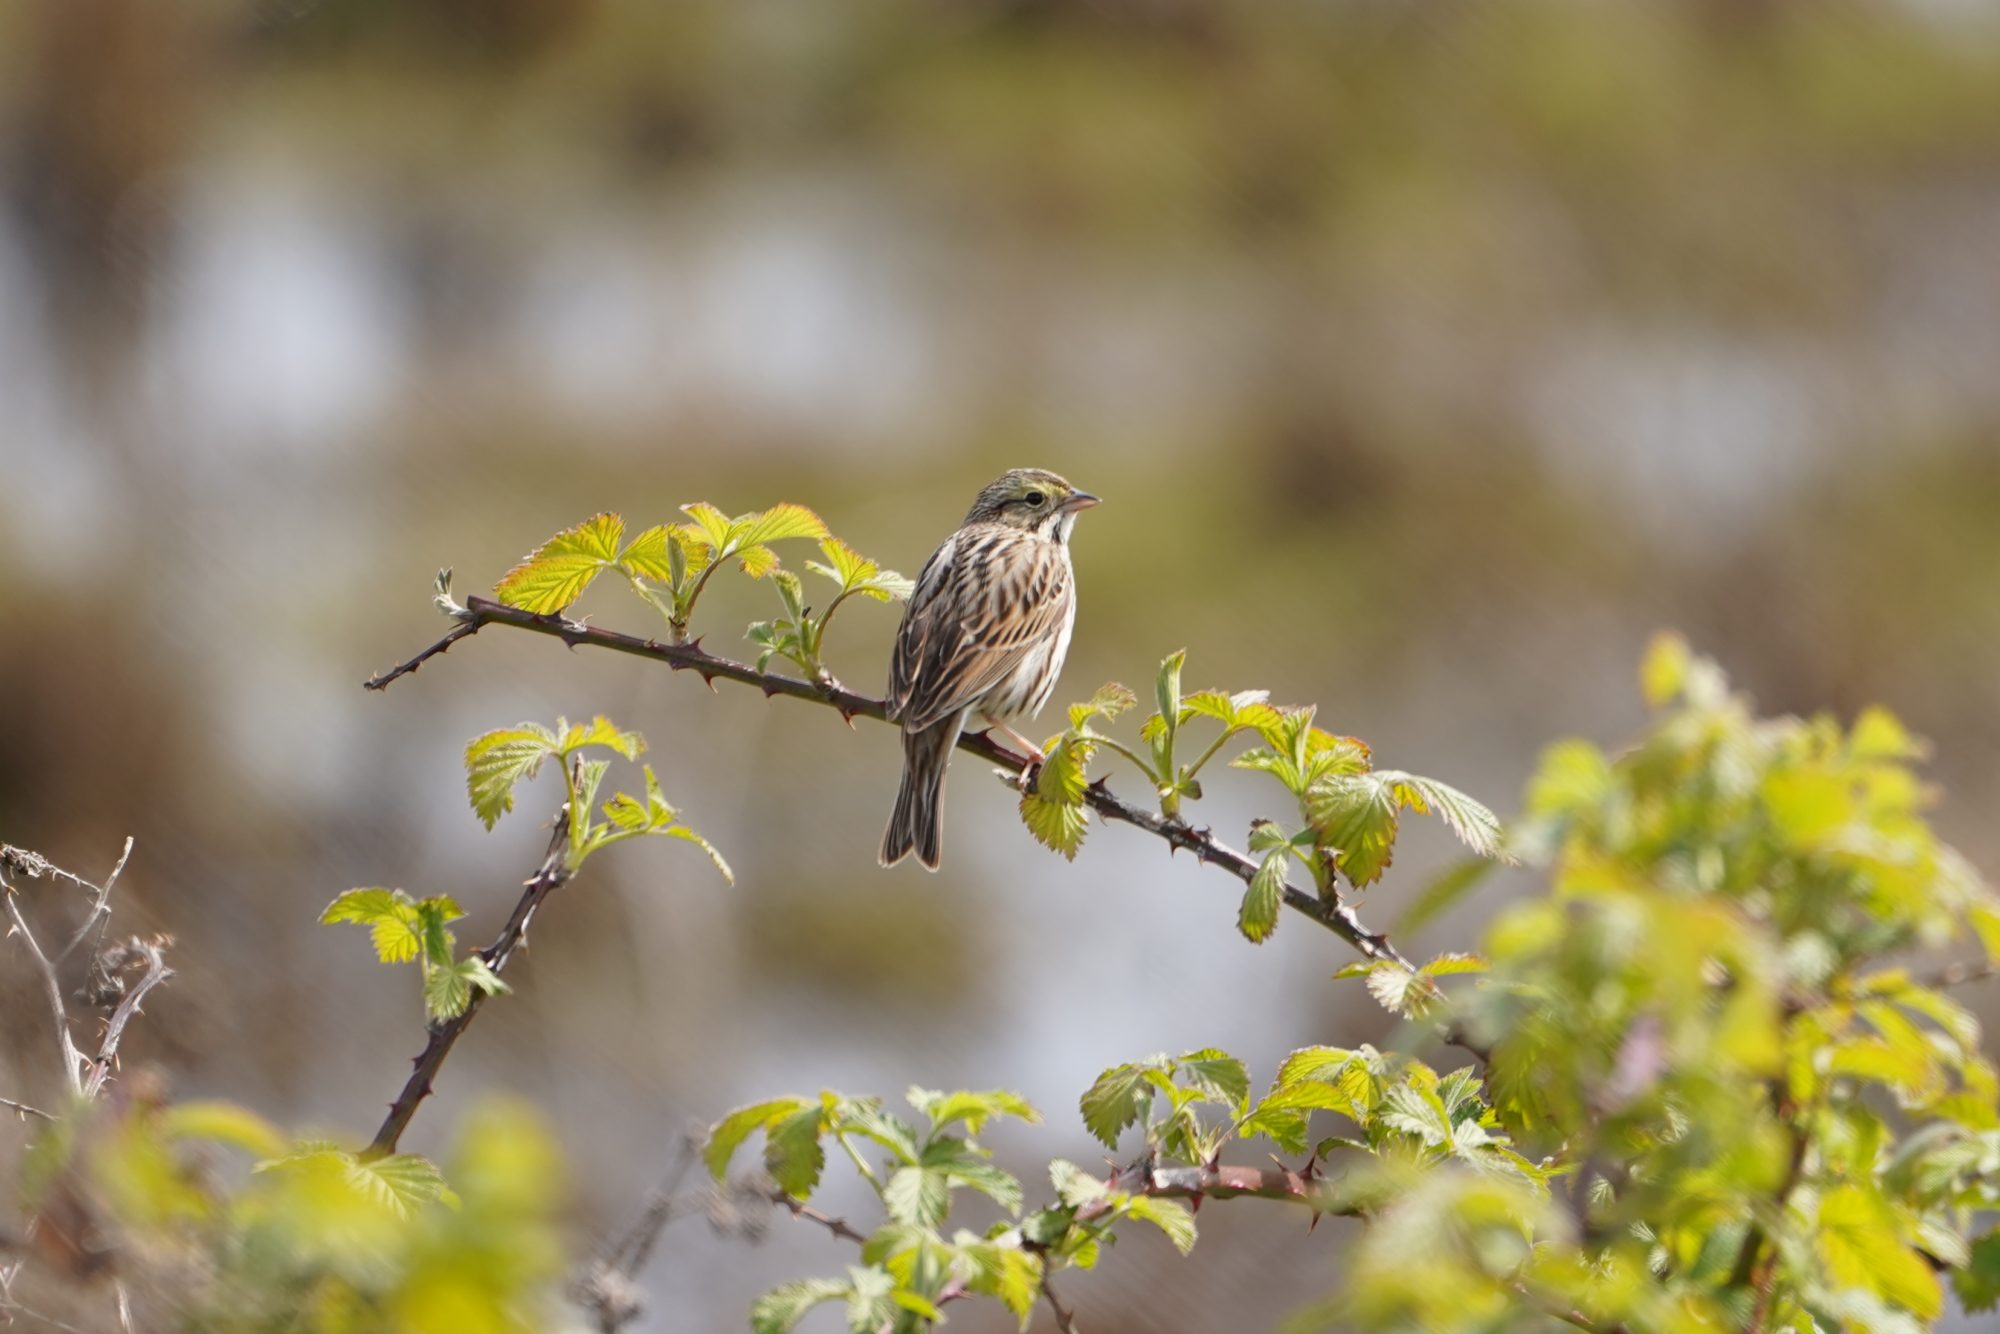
(1079, 500)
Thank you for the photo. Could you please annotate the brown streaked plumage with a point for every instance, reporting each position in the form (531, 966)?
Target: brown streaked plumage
(985, 632)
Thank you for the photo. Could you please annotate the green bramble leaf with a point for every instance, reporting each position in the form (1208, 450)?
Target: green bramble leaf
(687, 835)
(778, 1310)
(781, 521)
(1009, 1273)
(747, 536)
(974, 1109)
(1110, 700)
(649, 556)
(556, 573)
(871, 1299)
(495, 761)
(601, 731)
(391, 916)
(1476, 826)
(1356, 816)
(1219, 1076)
(1118, 1099)
(1073, 1185)
(1257, 918)
(629, 817)
(856, 573)
(728, 1134)
(1054, 811)
(793, 1154)
(917, 1196)
(1170, 1216)
(448, 987)
(402, 1183)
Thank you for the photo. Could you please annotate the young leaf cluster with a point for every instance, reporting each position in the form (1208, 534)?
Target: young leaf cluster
(1349, 811)
(799, 636)
(496, 761)
(1397, 1115)
(910, 1267)
(670, 564)
(405, 929)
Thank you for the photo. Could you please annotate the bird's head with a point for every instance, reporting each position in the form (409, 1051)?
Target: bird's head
(1033, 499)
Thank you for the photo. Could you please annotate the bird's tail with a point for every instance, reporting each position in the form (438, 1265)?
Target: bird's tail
(917, 821)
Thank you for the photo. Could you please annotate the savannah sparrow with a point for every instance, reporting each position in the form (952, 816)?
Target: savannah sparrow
(985, 633)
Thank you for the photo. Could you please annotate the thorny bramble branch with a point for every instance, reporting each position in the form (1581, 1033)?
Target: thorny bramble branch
(553, 873)
(478, 612)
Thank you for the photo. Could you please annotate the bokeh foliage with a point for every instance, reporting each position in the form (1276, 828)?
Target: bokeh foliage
(1709, 1085)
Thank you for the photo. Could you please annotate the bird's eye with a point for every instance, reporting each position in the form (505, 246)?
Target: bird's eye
(1035, 498)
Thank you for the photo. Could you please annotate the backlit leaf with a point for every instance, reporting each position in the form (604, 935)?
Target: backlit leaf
(556, 573)
(495, 761)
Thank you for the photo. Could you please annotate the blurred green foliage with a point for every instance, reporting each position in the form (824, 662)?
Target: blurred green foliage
(314, 1238)
(1711, 1096)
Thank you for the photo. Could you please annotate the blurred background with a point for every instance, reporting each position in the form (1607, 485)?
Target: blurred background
(1428, 355)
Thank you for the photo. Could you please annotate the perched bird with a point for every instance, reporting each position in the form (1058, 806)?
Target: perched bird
(985, 632)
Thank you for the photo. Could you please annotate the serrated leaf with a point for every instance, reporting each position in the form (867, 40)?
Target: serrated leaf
(1118, 1099)
(480, 974)
(871, 1302)
(1356, 816)
(778, 1310)
(1006, 1272)
(757, 561)
(996, 1184)
(447, 992)
(1170, 1216)
(1476, 826)
(1390, 984)
(918, 1196)
(437, 942)
(728, 1134)
(793, 1154)
(781, 521)
(495, 761)
(648, 555)
(601, 731)
(1110, 700)
(390, 915)
(688, 835)
(1073, 1185)
(401, 1183)
(1054, 811)
(1257, 917)
(556, 573)
(1455, 962)
(1220, 1077)
(711, 525)
(974, 1109)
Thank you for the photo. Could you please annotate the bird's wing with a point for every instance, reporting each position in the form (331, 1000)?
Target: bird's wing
(982, 605)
